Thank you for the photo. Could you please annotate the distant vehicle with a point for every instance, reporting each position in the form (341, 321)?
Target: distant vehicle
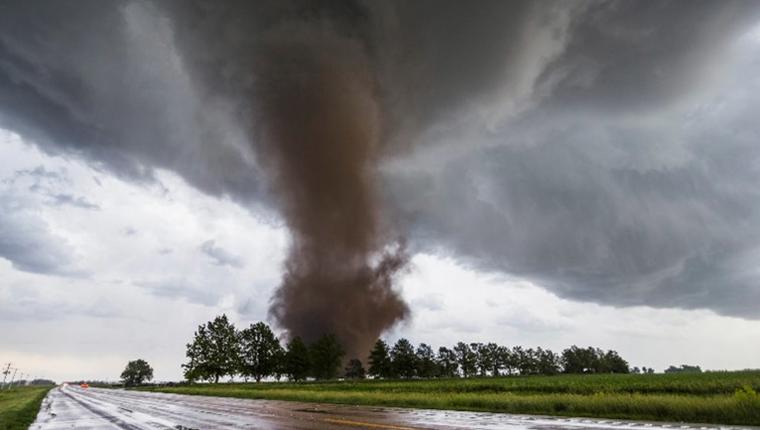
(84, 385)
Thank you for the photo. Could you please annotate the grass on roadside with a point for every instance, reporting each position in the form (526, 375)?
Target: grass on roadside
(19, 406)
(721, 398)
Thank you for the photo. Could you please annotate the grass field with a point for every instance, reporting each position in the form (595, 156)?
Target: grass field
(19, 406)
(721, 398)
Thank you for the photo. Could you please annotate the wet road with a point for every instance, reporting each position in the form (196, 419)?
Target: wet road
(73, 407)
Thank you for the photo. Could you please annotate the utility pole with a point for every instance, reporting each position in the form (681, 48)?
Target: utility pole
(12, 378)
(6, 372)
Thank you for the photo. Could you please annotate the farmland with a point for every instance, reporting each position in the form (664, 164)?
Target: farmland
(19, 406)
(715, 397)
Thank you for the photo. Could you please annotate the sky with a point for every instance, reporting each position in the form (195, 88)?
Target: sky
(559, 172)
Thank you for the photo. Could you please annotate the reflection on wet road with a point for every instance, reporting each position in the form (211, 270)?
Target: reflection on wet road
(73, 407)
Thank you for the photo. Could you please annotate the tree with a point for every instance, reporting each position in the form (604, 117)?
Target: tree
(214, 351)
(466, 359)
(614, 363)
(527, 360)
(592, 360)
(580, 360)
(379, 360)
(481, 358)
(505, 360)
(136, 372)
(279, 362)
(548, 363)
(355, 370)
(297, 363)
(448, 366)
(403, 359)
(425, 360)
(486, 358)
(326, 354)
(490, 359)
(259, 351)
(197, 365)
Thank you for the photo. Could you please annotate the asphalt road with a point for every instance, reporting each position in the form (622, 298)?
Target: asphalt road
(72, 407)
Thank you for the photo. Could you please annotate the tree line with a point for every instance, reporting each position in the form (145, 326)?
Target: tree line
(486, 359)
(219, 350)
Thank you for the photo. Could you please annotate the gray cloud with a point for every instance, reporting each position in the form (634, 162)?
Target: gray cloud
(26, 303)
(62, 199)
(596, 175)
(181, 288)
(40, 172)
(40, 179)
(654, 213)
(47, 183)
(220, 256)
(27, 242)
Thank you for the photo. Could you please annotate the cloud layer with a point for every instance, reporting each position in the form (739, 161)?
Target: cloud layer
(604, 149)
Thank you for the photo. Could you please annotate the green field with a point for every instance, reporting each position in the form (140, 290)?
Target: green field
(720, 398)
(19, 406)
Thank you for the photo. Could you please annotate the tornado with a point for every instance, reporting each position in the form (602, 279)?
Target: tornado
(319, 135)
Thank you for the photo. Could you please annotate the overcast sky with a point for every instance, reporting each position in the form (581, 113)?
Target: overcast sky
(568, 173)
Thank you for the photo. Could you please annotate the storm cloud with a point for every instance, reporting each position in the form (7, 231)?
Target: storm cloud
(604, 149)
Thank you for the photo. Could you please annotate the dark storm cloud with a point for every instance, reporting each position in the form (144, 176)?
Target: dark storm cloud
(636, 56)
(589, 178)
(659, 213)
(220, 256)
(120, 100)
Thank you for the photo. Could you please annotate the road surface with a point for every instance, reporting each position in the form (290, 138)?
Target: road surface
(72, 407)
